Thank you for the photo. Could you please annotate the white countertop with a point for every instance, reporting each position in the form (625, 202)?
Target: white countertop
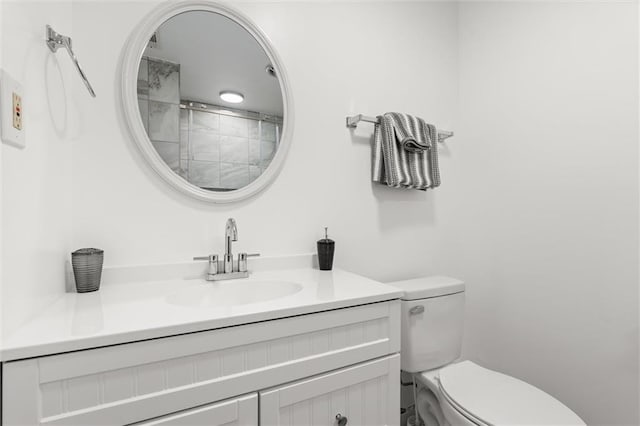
(124, 312)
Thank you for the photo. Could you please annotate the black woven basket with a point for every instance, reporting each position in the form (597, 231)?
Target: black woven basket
(87, 269)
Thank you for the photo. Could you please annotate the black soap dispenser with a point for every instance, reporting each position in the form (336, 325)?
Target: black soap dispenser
(326, 248)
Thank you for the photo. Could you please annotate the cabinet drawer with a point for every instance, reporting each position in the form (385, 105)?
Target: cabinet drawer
(136, 381)
(367, 394)
(241, 411)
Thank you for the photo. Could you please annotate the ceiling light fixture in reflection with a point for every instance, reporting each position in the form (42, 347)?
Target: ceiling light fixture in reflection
(231, 97)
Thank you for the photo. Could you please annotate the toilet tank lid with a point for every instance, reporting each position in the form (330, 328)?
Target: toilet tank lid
(426, 287)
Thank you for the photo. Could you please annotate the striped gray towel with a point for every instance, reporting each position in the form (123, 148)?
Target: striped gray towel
(405, 152)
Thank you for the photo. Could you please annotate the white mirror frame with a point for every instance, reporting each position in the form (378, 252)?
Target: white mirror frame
(132, 54)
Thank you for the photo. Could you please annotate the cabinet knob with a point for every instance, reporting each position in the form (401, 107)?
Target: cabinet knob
(416, 310)
(342, 421)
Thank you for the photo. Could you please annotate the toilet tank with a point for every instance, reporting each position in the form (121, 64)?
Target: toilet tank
(432, 322)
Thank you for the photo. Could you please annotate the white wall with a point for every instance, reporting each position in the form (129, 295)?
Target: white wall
(336, 59)
(36, 181)
(541, 198)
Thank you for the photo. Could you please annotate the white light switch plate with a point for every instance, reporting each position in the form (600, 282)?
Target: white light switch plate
(12, 125)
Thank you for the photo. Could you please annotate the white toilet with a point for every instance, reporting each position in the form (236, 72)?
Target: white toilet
(453, 392)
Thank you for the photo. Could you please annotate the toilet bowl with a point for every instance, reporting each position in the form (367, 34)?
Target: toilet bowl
(453, 392)
(469, 394)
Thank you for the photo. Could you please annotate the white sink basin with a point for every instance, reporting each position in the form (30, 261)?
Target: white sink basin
(232, 292)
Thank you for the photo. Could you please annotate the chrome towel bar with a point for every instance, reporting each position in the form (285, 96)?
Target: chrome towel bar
(55, 41)
(353, 121)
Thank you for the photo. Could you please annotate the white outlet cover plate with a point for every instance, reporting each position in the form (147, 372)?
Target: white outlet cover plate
(9, 134)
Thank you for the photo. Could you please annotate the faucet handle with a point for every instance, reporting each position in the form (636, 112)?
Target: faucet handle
(242, 260)
(213, 264)
(210, 258)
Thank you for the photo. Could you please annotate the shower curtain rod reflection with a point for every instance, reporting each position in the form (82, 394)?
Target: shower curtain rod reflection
(232, 112)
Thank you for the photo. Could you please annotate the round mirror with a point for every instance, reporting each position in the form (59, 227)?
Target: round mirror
(206, 100)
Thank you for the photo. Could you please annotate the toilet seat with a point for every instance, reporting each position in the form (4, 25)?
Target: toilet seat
(486, 397)
(458, 414)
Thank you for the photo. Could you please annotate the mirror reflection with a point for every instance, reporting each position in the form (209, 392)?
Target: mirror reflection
(210, 100)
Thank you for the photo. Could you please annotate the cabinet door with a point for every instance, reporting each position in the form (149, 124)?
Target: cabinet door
(241, 411)
(366, 394)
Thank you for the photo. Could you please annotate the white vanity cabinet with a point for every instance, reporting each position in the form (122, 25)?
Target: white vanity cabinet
(297, 370)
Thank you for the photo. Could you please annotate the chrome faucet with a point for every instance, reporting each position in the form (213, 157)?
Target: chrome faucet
(227, 272)
(230, 234)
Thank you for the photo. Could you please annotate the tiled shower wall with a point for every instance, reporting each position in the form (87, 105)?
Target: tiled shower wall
(225, 151)
(211, 149)
(159, 103)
